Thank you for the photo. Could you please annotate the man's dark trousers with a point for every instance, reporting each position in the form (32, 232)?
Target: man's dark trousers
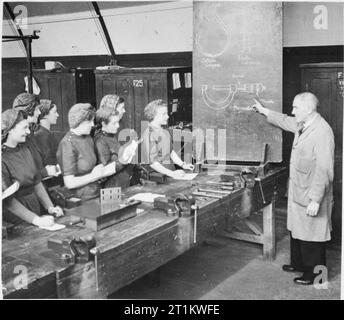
(306, 255)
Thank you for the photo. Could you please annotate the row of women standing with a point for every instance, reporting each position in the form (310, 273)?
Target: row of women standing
(30, 153)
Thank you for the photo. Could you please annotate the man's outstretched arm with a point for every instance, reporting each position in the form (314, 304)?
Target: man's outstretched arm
(276, 118)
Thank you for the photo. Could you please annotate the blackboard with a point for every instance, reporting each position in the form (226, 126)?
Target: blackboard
(237, 57)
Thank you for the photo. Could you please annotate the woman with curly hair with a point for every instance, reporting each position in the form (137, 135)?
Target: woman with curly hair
(157, 148)
(108, 148)
(44, 138)
(18, 165)
(77, 157)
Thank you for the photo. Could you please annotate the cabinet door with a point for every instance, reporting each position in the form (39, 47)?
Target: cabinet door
(60, 88)
(323, 82)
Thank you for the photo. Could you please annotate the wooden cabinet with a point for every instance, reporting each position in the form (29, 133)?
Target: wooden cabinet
(139, 86)
(325, 80)
(66, 88)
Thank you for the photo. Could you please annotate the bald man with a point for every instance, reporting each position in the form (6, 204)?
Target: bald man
(310, 196)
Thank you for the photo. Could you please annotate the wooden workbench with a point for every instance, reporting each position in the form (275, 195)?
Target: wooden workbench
(132, 248)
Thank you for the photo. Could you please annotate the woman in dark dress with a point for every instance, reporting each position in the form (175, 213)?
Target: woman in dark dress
(108, 147)
(44, 138)
(30, 105)
(77, 157)
(19, 165)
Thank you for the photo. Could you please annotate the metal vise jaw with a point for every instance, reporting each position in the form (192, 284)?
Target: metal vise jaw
(73, 250)
(179, 204)
(63, 197)
(152, 176)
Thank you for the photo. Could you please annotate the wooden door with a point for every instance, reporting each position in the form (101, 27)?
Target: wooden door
(151, 87)
(325, 83)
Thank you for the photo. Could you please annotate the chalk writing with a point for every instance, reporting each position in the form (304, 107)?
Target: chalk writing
(231, 90)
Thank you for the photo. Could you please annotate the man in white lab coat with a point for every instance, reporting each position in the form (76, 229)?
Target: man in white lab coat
(310, 197)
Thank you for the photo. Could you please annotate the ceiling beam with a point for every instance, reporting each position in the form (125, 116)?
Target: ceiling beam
(105, 30)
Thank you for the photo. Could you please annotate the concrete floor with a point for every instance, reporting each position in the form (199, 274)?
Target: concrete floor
(226, 269)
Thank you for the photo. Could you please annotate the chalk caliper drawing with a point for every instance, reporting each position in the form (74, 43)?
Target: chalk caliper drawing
(232, 89)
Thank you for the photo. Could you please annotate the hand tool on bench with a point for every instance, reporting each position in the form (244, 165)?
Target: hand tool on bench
(213, 191)
(227, 188)
(207, 195)
(222, 183)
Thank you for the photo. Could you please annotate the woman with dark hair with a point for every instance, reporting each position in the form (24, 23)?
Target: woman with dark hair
(108, 147)
(77, 157)
(30, 105)
(44, 138)
(19, 165)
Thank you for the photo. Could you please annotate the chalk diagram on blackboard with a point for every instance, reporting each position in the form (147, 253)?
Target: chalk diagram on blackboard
(231, 90)
(223, 37)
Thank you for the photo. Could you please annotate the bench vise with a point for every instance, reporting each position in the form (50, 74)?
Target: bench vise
(73, 249)
(243, 179)
(63, 197)
(153, 176)
(179, 204)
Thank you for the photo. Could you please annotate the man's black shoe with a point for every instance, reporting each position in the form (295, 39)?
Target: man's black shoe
(290, 268)
(303, 281)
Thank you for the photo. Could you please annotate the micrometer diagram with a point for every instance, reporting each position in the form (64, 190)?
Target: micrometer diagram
(219, 97)
(215, 39)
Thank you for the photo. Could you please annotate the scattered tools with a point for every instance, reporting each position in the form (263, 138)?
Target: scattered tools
(235, 178)
(76, 221)
(72, 250)
(230, 176)
(228, 186)
(207, 195)
(213, 191)
(222, 183)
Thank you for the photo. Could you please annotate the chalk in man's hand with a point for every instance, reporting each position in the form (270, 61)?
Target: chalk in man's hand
(255, 106)
(252, 108)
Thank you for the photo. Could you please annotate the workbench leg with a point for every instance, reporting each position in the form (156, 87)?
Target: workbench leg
(269, 233)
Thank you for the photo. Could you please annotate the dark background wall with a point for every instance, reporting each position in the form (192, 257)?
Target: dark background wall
(292, 58)
(13, 83)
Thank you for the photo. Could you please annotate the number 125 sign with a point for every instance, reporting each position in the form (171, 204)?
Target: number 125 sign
(138, 83)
